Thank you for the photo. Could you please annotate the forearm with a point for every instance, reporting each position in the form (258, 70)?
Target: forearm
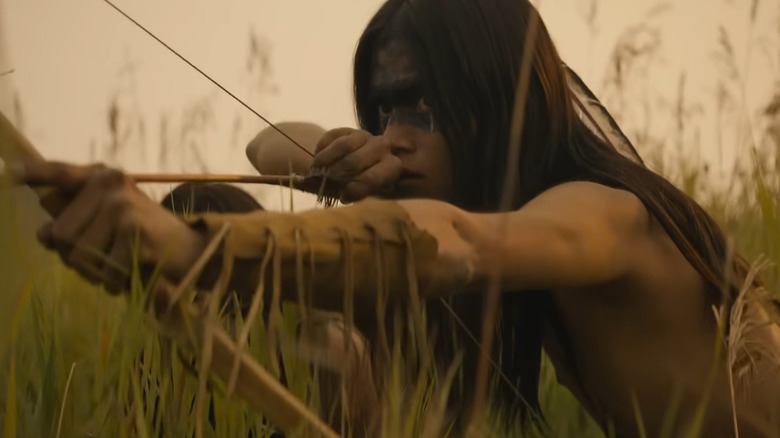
(366, 250)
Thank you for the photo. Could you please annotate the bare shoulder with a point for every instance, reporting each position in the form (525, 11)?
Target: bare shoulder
(620, 208)
(586, 191)
(651, 260)
(612, 229)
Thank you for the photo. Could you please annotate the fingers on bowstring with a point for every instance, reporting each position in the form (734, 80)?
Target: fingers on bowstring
(358, 161)
(378, 179)
(331, 136)
(339, 148)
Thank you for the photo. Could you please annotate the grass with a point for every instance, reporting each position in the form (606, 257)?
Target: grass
(77, 362)
(74, 364)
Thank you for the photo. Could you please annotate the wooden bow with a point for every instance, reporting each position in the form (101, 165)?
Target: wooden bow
(259, 388)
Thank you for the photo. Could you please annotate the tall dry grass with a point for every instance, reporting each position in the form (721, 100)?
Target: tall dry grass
(80, 363)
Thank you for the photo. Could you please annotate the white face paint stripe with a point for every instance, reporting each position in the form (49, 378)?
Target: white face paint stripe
(406, 116)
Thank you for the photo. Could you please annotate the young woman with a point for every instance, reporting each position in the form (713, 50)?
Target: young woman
(604, 264)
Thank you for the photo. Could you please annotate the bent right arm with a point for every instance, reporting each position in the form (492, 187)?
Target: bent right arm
(271, 153)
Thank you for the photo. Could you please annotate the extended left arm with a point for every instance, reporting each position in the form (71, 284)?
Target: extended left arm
(574, 235)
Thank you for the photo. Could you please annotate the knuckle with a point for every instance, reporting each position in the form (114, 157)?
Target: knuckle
(343, 145)
(107, 176)
(341, 132)
(329, 137)
(350, 165)
(119, 202)
(126, 224)
(360, 134)
(322, 144)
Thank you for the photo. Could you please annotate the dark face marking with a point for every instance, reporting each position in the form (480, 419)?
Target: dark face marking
(419, 117)
(407, 121)
(397, 91)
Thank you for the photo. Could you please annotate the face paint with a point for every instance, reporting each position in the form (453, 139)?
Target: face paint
(407, 116)
(420, 117)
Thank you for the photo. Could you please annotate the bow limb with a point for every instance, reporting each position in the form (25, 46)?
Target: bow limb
(15, 147)
(258, 387)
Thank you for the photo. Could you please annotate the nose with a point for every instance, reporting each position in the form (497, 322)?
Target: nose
(401, 139)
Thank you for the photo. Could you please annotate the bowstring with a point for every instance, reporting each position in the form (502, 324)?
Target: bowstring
(473, 337)
(236, 98)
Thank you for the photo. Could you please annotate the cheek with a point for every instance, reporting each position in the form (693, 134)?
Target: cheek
(439, 158)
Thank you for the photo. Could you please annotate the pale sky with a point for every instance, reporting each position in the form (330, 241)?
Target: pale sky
(71, 57)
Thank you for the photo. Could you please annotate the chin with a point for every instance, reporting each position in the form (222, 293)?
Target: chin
(416, 188)
(410, 188)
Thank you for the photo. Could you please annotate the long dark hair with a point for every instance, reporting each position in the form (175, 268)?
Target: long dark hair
(469, 54)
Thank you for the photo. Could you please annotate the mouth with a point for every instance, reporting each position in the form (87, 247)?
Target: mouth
(407, 174)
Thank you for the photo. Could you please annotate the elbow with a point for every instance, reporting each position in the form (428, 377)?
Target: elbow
(541, 256)
(478, 250)
(456, 268)
(590, 259)
(271, 153)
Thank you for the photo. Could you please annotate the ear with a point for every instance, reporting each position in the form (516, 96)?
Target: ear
(271, 153)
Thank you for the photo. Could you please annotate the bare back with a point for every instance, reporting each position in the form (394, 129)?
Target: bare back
(651, 337)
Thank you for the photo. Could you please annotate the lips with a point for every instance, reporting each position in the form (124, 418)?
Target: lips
(408, 184)
(409, 174)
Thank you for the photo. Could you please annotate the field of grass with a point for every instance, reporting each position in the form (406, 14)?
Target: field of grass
(71, 362)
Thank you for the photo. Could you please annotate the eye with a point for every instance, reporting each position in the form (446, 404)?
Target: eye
(422, 106)
(385, 109)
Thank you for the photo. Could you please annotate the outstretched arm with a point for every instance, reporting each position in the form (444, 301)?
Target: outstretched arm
(576, 234)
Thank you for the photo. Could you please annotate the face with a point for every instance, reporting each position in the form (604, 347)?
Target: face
(407, 122)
